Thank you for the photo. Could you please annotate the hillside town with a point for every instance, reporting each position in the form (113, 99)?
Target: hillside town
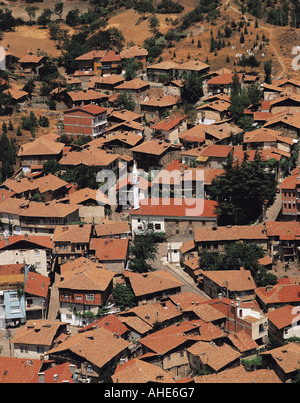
(149, 220)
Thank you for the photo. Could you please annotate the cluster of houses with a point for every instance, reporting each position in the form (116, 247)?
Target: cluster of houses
(65, 248)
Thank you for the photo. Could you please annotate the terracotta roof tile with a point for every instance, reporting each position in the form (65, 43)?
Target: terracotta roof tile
(216, 357)
(238, 280)
(37, 285)
(230, 233)
(153, 282)
(139, 371)
(72, 233)
(99, 348)
(18, 370)
(242, 341)
(176, 208)
(110, 249)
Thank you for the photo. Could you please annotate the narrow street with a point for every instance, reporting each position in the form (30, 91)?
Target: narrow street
(176, 270)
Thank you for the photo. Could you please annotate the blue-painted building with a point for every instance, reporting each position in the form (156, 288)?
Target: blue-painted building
(12, 303)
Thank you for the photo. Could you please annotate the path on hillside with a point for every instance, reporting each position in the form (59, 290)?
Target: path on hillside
(270, 32)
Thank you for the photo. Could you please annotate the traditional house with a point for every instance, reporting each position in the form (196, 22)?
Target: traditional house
(267, 138)
(289, 103)
(231, 283)
(169, 347)
(138, 371)
(152, 287)
(283, 360)
(212, 112)
(154, 154)
(173, 88)
(270, 297)
(113, 229)
(83, 286)
(71, 242)
(243, 343)
(215, 358)
(91, 61)
(221, 83)
(169, 129)
(112, 252)
(37, 152)
(20, 216)
(156, 108)
(91, 157)
(239, 375)
(191, 66)
(93, 353)
(288, 123)
(137, 88)
(284, 323)
(32, 63)
(283, 238)
(141, 319)
(135, 52)
(214, 239)
(36, 337)
(123, 143)
(106, 83)
(17, 96)
(36, 296)
(289, 85)
(214, 155)
(193, 137)
(160, 70)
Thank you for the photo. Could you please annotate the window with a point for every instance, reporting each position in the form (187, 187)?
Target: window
(13, 296)
(24, 349)
(157, 226)
(90, 297)
(15, 309)
(78, 298)
(37, 252)
(40, 350)
(68, 316)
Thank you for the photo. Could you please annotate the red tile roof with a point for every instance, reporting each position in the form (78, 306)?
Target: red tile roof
(109, 249)
(176, 208)
(18, 370)
(37, 285)
(279, 294)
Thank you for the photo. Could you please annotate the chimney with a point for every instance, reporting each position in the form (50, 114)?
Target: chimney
(55, 377)
(41, 377)
(6, 241)
(220, 296)
(72, 368)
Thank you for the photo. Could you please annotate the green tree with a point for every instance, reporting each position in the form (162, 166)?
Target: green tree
(45, 17)
(123, 296)
(154, 24)
(143, 250)
(51, 167)
(268, 71)
(241, 190)
(192, 89)
(131, 68)
(125, 101)
(58, 9)
(31, 11)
